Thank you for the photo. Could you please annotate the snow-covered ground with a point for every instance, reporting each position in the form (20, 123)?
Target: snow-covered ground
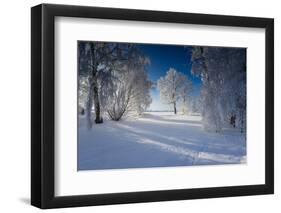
(157, 139)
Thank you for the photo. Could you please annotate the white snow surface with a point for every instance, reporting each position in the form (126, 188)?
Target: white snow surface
(157, 139)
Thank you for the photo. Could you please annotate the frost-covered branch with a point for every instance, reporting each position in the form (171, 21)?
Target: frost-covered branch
(223, 93)
(173, 87)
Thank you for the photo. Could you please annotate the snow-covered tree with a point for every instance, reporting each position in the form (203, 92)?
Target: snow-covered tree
(113, 80)
(185, 95)
(142, 85)
(195, 104)
(223, 92)
(96, 62)
(131, 87)
(173, 87)
(82, 94)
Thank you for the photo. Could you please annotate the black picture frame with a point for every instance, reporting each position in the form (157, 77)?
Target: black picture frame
(43, 102)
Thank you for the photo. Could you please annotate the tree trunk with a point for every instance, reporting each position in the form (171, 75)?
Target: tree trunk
(175, 108)
(93, 98)
(98, 119)
(89, 105)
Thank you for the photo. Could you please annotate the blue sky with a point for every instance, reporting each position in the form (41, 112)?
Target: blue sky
(162, 58)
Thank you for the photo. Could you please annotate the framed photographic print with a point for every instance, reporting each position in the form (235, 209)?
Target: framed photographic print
(140, 106)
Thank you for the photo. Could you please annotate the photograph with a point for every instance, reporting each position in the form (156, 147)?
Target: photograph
(160, 105)
(139, 105)
(142, 105)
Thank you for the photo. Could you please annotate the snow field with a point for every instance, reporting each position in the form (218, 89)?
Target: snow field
(157, 139)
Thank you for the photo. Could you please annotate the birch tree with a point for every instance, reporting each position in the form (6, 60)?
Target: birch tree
(131, 87)
(185, 95)
(171, 87)
(96, 62)
(223, 75)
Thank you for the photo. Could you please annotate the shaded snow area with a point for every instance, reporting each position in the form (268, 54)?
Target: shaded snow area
(157, 139)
